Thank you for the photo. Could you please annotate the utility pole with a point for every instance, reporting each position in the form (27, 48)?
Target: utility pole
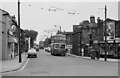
(80, 41)
(20, 59)
(105, 34)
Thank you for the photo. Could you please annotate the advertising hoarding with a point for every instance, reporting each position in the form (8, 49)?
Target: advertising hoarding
(110, 30)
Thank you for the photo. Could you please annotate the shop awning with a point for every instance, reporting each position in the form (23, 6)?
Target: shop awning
(12, 39)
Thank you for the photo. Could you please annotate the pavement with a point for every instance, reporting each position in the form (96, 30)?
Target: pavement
(13, 64)
(101, 59)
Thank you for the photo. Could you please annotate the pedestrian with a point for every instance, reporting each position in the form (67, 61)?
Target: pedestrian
(93, 55)
(93, 52)
(98, 54)
(89, 51)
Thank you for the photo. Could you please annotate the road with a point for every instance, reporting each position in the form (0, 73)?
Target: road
(48, 65)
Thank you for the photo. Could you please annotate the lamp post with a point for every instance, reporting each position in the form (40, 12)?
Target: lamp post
(105, 34)
(90, 36)
(80, 41)
(20, 59)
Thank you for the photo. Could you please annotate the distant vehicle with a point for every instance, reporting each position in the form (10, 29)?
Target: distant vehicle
(45, 48)
(41, 47)
(48, 49)
(32, 53)
(58, 45)
(37, 49)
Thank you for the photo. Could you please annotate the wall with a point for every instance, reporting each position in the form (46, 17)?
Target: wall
(5, 25)
(0, 34)
(85, 36)
(4, 38)
(69, 39)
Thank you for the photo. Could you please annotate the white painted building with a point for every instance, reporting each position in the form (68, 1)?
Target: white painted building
(8, 39)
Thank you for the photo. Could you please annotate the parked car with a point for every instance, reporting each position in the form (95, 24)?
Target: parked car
(41, 47)
(32, 53)
(48, 49)
(45, 48)
(37, 49)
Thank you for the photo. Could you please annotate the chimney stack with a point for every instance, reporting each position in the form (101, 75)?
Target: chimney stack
(92, 19)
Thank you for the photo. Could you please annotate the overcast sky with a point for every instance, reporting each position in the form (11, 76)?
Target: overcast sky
(36, 15)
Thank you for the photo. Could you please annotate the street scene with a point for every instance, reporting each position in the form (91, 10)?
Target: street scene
(59, 38)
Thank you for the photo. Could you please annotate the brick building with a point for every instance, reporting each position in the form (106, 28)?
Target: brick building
(92, 34)
(84, 33)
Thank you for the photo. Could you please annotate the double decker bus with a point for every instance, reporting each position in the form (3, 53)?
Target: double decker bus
(58, 45)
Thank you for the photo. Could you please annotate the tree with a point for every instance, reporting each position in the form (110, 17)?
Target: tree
(86, 23)
(27, 34)
(32, 34)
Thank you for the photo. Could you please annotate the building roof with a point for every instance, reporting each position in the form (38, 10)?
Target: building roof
(108, 19)
(6, 13)
(68, 33)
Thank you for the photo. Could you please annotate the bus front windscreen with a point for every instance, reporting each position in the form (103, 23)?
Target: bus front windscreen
(62, 46)
(57, 46)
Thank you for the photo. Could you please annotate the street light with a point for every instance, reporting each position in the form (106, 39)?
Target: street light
(80, 40)
(20, 58)
(105, 34)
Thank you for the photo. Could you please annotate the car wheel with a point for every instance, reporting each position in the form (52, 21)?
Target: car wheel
(28, 56)
(64, 54)
(51, 53)
(36, 56)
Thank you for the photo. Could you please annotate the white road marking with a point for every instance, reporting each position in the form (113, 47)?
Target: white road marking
(19, 69)
(24, 65)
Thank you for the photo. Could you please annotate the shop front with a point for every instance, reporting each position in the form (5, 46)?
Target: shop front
(111, 48)
(12, 47)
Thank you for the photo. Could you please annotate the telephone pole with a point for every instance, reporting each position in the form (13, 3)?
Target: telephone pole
(105, 34)
(20, 59)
